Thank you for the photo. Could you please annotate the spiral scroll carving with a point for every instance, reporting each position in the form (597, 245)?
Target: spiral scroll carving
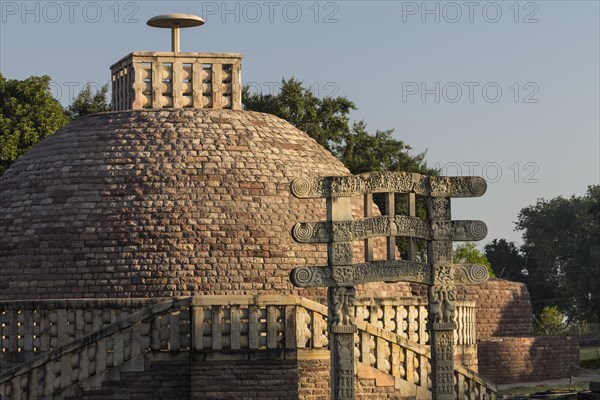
(310, 276)
(473, 274)
(301, 187)
(302, 231)
(477, 273)
(478, 229)
(301, 276)
(477, 185)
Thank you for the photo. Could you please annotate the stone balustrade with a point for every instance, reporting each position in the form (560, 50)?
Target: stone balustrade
(407, 317)
(145, 80)
(78, 341)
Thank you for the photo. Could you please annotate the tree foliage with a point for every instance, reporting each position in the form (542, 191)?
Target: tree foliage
(89, 101)
(28, 113)
(562, 253)
(551, 322)
(363, 152)
(506, 259)
(327, 121)
(468, 253)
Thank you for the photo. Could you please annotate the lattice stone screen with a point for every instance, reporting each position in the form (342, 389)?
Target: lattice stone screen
(144, 80)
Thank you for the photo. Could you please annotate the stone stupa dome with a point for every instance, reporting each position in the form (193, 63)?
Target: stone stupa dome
(162, 203)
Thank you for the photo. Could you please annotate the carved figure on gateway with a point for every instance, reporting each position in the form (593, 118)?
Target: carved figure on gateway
(341, 275)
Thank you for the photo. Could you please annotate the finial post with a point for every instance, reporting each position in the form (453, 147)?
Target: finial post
(175, 39)
(175, 22)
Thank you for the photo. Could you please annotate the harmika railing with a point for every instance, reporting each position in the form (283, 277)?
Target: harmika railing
(144, 80)
(114, 337)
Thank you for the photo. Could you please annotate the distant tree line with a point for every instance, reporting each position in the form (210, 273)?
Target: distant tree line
(560, 256)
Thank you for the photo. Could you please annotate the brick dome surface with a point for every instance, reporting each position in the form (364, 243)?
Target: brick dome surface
(162, 203)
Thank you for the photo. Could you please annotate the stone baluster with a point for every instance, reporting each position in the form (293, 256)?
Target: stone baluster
(197, 325)
(253, 327)
(13, 331)
(272, 331)
(175, 330)
(235, 327)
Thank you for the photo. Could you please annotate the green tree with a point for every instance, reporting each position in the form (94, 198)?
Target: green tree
(506, 260)
(468, 253)
(562, 254)
(28, 113)
(384, 152)
(550, 323)
(89, 101)
(325, 120)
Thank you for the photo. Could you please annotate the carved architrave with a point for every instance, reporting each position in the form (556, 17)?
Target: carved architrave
(439, 273)
(458, 230)
(377, 271)
(380, 182)
(398, 225)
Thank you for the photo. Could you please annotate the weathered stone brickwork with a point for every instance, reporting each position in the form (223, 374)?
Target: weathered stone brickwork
(527, 359)
(162, 203)
(503, 308)
(256, 379)
(507, 350)
(259, 379)
(161, 380)
(313, 383)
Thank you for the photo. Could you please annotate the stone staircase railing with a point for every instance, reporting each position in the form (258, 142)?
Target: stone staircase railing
(66, 368)
(78, 346)
(390, 353)
(407, 317)
(30, 327)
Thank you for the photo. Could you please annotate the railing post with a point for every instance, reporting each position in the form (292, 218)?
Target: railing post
(291, 327)
(197, 319)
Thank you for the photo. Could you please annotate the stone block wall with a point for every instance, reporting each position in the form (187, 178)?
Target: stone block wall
(527, 359)
(507, 350)
(256, 377)
(313, 382)
(244, 379)
(160, 380)
(503, 308)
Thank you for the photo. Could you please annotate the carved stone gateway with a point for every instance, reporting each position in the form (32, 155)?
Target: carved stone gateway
(437, 271)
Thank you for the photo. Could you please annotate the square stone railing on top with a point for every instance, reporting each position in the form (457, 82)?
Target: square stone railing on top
(144, 80)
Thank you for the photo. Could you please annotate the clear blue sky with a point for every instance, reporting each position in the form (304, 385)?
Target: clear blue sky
(507, 90)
